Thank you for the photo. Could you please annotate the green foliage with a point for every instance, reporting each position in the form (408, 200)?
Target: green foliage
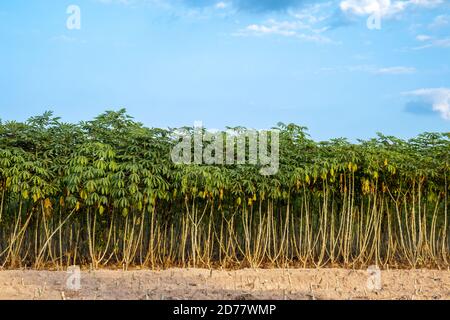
(106, 191)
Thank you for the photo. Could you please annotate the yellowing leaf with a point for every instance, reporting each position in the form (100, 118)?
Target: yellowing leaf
(47, 203)
(307, 179)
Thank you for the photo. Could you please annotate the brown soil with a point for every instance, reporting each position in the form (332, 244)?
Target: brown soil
(247, 284)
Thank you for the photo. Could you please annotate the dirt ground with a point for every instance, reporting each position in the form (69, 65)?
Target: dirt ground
(247, 284)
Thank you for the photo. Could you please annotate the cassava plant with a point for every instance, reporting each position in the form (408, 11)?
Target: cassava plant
(106, 193)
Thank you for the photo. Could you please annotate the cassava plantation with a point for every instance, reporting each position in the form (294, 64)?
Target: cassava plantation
(106, 193)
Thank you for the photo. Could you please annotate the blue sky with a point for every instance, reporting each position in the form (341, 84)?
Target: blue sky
(232, 62)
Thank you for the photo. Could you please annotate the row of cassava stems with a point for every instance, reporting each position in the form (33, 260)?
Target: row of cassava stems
(105, 194)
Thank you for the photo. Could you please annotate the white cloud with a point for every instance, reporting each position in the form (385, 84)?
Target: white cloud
(295, 29)
(385, 8)
(423, 37)
(307, 24)
(67, 39)
(221, 5)
(431, 42)
(371, 69)
(426, 3)
(439, 99)
(284, 28)
(368, 7)
(440, 21)
(396, 70)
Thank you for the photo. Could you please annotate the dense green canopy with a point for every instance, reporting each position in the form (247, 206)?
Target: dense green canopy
(107, 192)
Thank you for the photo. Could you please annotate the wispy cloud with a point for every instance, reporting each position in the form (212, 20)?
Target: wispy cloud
(308, 24)
(440, 21)
(368, 7)
(295, 29)
(67, 39)
(396, 70)
(438, 99)
(364, 68)
(222, 5)
(385, 8)
(431, 42)
(423, 37)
